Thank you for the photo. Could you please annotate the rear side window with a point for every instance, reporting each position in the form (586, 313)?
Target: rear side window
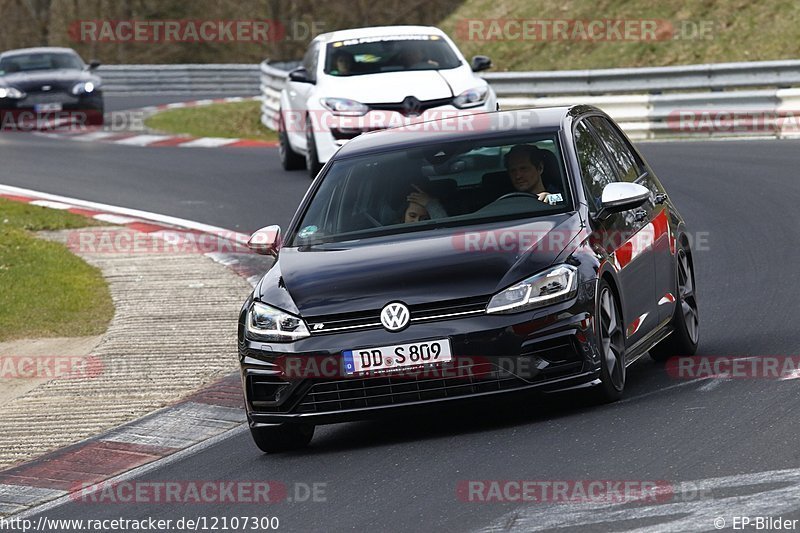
(596, 169)
(630, 167)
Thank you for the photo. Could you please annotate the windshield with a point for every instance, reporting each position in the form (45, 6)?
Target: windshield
(424, 188)
(385, 54)
(39, 61)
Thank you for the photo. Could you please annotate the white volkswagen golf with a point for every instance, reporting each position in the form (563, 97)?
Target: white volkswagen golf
(353, 81)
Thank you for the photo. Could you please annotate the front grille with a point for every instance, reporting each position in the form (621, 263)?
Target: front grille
(424, 105)
(358, 393)
(320, 325)
(54, 97)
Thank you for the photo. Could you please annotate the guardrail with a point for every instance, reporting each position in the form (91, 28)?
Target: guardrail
(707, 77)
(646, 101)
(223, 79)
(712, 101)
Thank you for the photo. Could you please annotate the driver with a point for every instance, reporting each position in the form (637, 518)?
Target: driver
(343, 63)
(525, 165)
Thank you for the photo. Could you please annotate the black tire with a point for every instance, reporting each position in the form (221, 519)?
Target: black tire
(312, 159)
(685, 321)
(284, 438)
(95, 117)
(611, 337)
(290, 160)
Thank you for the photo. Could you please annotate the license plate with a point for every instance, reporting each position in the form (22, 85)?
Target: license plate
(47, 108)
(388, 358)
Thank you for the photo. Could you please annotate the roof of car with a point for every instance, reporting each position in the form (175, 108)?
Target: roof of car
(378, 31)
(482, 125)
(38, 50)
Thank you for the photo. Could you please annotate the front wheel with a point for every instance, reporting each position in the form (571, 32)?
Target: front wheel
(290, 160)
(685, 320)
(284, 438)
(612, 346)
(312, 159)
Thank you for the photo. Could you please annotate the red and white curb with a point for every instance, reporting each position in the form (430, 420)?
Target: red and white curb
(209, 414)
(131, 138)
(157, 226)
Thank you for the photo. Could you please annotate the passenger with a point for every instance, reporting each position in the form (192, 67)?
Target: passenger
(415, 213)
(343, 63)
(430, 204)
(525, 165)
(414, 57)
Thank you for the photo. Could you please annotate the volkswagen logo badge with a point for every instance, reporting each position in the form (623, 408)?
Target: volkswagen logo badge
(395, 316)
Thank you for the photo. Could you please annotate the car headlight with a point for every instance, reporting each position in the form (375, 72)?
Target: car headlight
(84, 87)
(471, 98)
(344, 107)
(555, 284)
(11, 92)
(269, 324)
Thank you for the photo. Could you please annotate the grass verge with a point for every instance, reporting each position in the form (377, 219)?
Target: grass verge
(705, 32)
(236, 120)
(45, 290)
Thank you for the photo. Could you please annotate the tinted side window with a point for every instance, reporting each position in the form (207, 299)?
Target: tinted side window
(630, 167)
(596, 169)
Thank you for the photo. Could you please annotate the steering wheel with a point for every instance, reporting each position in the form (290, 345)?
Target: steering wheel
(516, 194)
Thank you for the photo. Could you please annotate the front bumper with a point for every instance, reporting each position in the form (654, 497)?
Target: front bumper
(332, 132)
(304, 382)
(39, 110)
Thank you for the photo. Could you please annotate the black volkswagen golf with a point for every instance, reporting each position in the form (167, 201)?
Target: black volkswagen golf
(527, 249)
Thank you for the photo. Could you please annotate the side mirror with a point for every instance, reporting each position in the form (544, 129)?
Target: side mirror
(93, 64)
(300, 75)
(480, 63)
(618, 197)
(266, 241)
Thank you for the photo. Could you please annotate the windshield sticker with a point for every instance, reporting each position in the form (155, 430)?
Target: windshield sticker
(382, 38)
(306, 232)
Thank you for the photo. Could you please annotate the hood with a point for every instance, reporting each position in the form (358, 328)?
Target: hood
(59, 79)
(416, 268)
(389, 87)
(462, 78)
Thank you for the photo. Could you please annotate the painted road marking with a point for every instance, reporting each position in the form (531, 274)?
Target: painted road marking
(695, 506)
(125, 211)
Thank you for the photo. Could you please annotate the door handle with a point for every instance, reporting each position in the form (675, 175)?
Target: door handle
(640, 215)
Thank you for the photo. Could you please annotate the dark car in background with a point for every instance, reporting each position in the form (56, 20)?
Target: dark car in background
(505, 282)
(49, 85)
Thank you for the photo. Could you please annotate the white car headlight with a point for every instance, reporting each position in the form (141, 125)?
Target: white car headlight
(269, 324)
(11, 92)
(555, 284)
(344, 107)
(84, 87)
(471, 97)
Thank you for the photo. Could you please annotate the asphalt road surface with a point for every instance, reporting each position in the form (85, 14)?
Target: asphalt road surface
(724, 438)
